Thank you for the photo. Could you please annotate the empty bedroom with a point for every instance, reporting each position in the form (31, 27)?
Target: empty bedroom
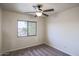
(39, 29)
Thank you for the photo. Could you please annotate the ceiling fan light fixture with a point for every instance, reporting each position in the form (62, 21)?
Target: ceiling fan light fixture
(38, 13)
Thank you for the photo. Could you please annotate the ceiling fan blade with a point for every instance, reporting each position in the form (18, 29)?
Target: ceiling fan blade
(45, 14)
(48, 10)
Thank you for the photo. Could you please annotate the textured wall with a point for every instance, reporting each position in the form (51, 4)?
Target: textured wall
(9, 30)
(0, 30)
(63, 31)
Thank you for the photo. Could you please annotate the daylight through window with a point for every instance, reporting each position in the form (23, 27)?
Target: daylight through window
(27, 28)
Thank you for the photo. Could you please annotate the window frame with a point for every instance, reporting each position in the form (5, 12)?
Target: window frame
(27, 28)
(35, 28)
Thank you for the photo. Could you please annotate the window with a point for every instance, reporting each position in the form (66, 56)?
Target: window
(22, 28)
(27, 28)
(31, 28)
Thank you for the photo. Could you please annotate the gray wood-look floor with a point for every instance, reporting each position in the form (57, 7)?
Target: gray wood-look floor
(40, 50)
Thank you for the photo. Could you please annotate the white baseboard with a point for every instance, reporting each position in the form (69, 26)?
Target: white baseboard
(57, 48)
(21, 48)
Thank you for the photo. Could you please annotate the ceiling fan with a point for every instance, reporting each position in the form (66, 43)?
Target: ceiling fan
(39, 11)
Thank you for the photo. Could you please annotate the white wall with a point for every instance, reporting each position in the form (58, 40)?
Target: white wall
(9, 31)
(0, 30)
(63, 31)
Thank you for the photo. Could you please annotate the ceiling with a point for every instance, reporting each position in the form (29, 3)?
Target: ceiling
(27, 7)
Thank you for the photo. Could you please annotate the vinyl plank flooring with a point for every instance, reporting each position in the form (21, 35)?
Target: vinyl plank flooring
(40, 50)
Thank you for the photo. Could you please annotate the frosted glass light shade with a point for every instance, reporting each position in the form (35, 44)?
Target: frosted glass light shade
(38, 13)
